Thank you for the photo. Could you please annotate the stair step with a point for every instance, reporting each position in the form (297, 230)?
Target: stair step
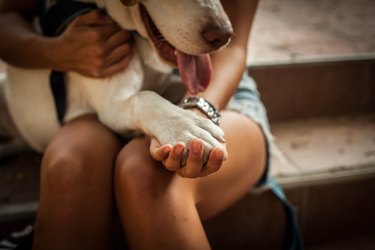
(327, 213)
(317, 89)
(291, 31)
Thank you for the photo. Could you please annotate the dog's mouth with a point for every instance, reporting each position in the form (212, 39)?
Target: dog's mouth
(195, 70)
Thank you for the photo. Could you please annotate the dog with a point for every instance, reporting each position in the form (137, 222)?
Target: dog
(169, 34)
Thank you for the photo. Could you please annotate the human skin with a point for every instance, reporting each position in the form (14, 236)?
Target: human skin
(92, 45)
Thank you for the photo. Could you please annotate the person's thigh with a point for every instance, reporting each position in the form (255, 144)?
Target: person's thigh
(82, 142)
(242, 170)
(212, 194)
(76, 199)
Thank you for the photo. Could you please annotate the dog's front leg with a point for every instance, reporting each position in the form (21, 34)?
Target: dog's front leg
(149, 113)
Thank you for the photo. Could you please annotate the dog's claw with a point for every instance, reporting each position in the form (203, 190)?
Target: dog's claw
(176, 125)
(221, 139)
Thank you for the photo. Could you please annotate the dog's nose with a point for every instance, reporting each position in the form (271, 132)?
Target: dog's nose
(217, 36)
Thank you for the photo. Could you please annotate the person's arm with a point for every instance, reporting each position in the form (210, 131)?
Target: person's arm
(19, 44)
(92, 45)
(228, 67)
(229, 63)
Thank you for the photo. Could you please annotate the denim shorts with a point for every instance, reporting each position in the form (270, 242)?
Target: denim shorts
(246, 101)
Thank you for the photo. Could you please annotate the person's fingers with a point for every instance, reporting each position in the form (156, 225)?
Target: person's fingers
(95, 26)
(116, 67)
(103, 33)
(118, 54)
(159, 152)
(95, 17)
(172, 158)
(194, 162)
(117, 38)
(91, 33)
(173, 162)
(214, 162)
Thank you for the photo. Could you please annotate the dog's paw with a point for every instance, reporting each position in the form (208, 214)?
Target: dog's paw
(171, 124)
(188, 126)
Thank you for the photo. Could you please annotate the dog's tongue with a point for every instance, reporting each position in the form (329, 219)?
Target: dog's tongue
(195, 71)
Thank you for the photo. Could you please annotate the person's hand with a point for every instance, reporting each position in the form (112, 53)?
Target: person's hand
(93, 45)
(172, 158)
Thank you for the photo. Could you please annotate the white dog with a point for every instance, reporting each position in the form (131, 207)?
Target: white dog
(170, 33)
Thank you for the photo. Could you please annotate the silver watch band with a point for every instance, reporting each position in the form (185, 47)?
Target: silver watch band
(203, 105)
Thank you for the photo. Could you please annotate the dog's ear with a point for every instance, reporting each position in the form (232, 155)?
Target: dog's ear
(129, 2)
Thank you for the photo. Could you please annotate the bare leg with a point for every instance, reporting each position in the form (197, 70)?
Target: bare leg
(76, 200)
(160, 210)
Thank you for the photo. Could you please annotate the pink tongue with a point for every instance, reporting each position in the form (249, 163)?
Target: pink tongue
(195, 71)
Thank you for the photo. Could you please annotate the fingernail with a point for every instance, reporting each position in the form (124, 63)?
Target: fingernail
(166, 150)
(179, 150)
(196, 146)
(220, 155)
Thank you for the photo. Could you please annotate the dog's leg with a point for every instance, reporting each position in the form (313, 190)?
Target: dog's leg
(124, 109)
(149, 113)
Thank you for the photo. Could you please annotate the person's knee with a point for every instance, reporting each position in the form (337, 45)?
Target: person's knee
(139, 178)
(63, 169)
(76, 162)
(135, 174)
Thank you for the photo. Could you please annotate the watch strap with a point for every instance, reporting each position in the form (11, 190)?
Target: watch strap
(203, 105)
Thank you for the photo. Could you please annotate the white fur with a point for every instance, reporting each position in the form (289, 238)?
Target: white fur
(123, 101)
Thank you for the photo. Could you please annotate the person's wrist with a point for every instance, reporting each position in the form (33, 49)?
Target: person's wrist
(49, 51)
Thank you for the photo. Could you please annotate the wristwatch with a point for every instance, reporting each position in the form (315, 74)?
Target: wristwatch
(203, 105)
